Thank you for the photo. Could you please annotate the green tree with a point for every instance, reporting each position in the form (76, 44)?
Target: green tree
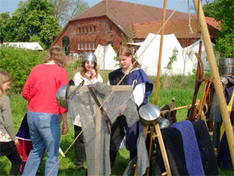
(209, 10)
(222, 10)
(172, 59)
(64, 10)
(18, 62)
(4, 18)
(33, 21)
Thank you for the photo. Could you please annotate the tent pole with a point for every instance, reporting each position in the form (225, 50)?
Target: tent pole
(157, 128)
(160, 53)
(216, 77)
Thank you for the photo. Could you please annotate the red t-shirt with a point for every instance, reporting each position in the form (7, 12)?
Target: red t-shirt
(41, 87)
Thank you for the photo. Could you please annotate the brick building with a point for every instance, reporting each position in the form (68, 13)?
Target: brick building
(116, 22)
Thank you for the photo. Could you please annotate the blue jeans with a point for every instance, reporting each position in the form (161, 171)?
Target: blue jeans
(44, 131)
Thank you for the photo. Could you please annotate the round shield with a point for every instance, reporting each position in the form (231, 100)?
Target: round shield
(61, 95)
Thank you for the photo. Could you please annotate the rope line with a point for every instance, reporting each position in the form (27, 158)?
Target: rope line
(189, 25)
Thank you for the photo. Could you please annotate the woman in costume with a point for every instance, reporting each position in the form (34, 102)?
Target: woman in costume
(142, 88)
(90, 75)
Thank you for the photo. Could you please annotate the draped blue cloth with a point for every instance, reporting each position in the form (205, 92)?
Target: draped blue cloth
(23, 132)
(135, 78)
(191, 150)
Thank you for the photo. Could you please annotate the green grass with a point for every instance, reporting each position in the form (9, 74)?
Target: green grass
(180, 87)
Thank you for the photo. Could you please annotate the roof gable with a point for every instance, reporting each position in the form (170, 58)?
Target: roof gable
(123, 14)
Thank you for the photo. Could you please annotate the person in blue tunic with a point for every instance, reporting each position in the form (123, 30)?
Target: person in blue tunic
(142, 88)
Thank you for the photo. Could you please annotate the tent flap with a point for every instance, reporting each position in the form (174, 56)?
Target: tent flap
(105, 57)
(148, 54)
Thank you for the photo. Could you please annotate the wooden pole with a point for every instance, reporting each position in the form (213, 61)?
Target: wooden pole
(160, 53)
(215, 77)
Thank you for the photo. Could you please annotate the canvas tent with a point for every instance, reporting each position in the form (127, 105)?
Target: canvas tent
(194, 48)
(148, 55)
(25, 45)
(105, 57)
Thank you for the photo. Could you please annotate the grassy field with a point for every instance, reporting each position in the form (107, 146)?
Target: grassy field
(180, 87)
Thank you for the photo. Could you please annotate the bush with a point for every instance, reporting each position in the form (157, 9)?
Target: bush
(18, 63)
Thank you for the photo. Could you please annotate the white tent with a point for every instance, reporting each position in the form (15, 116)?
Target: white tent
(148, 55)
(25, 45)
(105, 57)
(194, 48)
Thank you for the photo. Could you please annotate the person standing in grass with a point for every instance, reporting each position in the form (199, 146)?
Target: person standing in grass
(89, 74)
(142, 88)
(8, 141)
(43, 109)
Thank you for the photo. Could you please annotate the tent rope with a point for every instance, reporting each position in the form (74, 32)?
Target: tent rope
(113, 90)
(189, 25)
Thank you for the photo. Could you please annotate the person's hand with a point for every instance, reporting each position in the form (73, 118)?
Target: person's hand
(64, 128)
(93, 73)
(88, 74)
(122, 109)
(16, 141)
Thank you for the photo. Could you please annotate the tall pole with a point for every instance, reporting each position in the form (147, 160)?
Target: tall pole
(160, 53)
(215, 77)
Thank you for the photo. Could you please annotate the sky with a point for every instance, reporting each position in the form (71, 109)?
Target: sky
(12, 5)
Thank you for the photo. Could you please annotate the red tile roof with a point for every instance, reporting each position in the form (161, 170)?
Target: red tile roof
(123, 14)
(180, 28)
(211, 21)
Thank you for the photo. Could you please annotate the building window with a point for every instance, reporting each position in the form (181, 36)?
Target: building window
(94, 28)
(110, 26)
(83, 29)
(94, 45)
(82, 46)
(79, 30)
(86, 29)
(90, 45)
(86, 45)
(90, 29)
(78, 46)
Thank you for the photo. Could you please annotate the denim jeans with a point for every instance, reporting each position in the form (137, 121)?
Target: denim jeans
(44, 131)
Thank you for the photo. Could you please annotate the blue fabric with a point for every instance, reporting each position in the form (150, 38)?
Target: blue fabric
(191, 150)
(140, 76)
(44, 130)
(23, 132)
(137, 77)
(131, 136)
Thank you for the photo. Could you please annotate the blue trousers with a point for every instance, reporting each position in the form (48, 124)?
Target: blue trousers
(44, 130)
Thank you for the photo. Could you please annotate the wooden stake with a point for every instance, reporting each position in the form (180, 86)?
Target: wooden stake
(160, 53)
(61, 152)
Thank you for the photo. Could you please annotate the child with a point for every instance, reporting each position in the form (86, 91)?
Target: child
(89, 74)
(8, 141)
